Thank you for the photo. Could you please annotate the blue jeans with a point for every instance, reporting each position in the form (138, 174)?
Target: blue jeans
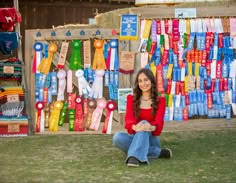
(142, 145)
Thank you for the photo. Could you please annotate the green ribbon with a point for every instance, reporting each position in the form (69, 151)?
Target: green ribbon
(62, 114)
(75, 59)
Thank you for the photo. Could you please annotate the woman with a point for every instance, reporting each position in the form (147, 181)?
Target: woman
(144, 122)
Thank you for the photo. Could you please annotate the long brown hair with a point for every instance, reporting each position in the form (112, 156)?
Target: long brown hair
(138, 92)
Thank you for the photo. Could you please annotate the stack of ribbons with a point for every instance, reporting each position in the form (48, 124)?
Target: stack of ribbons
(83, 107)
(194, 63)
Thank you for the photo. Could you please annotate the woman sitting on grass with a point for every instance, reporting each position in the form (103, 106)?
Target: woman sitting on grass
(144, 122)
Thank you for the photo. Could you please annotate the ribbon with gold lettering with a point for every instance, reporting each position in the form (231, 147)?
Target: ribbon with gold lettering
(45, 64)
(61, 75)
(62, 55)
(110, 106)
(75, 59)
(78, 114)
(97, 114)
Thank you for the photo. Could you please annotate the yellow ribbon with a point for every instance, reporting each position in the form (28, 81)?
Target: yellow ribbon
(170, 100)
(169, 72)
(45, 64)
(197, 69)
(147, 29)
(54, 117)
(188, 26)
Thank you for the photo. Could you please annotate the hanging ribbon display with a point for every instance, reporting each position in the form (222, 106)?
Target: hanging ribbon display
(75, 59)
(107, 126)
(97, 114)
(99, 60)
(45, 64)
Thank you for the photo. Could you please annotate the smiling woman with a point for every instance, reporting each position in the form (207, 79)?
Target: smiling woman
(144, 120)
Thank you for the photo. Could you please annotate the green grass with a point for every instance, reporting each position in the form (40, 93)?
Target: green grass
(207, 156)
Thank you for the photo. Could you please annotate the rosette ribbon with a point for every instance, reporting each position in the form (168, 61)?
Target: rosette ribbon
(39, 119)
(54, 117)
(78, 114)
(97, 114)
(83, 85)
(75, 59)
(38, 47)
(61, 75)
(99, 59)
(45, 64)
(92, 104)
(111, 106)
(97, 87)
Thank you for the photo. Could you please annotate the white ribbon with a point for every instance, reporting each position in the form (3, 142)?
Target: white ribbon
(83, 85)
(61, 75)
(97, 87)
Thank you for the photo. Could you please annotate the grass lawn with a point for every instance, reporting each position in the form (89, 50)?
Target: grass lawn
(207, 156)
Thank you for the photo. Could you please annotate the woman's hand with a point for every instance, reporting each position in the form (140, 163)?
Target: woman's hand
(143, 127)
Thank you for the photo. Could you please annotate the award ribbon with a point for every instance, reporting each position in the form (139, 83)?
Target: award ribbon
(97, 87)
(54, 117)
(61, 75)
(38, 47)
(39, 106)
(111, 106)
(83, 85)
(62, 55)
(78, 115)
(99, 60)
(45, 64)
(92, 104)
(97, 114)
(75, 59)
(113, 63)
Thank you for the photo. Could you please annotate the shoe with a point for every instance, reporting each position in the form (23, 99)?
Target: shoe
(133, 162)
(165, 153)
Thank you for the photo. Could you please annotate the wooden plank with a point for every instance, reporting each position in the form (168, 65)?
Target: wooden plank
(162, 11)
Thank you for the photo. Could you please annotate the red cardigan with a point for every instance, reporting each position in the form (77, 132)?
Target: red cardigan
(145, 114)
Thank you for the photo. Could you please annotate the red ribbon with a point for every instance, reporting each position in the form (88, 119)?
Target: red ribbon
(78, 126)
(111, 106)
(39, 106)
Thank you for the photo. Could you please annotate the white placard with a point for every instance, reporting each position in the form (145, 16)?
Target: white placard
(185, 12)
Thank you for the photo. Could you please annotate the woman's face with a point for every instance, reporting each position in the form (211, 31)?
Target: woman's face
(144, 83)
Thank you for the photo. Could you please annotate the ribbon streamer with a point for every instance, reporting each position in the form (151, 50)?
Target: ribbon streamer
(54, 117)
(78, 115)
(99, 59)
